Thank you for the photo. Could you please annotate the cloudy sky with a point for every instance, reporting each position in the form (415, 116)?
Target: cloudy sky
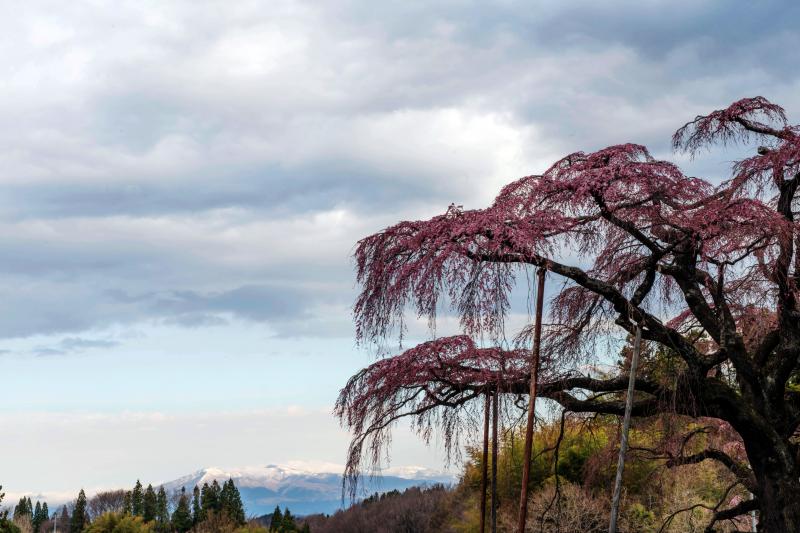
(182, 185)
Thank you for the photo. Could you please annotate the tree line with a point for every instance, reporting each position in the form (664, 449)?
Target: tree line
(212, 507)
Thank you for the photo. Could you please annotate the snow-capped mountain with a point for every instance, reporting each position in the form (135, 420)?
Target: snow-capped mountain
(305, 488)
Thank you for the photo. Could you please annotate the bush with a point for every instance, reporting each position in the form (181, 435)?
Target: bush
(119, 523)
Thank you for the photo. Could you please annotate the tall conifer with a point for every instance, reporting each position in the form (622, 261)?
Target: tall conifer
(127, 503)
(276, 520)
(37, 519)
(162, 510)
(149, 504)
(216, 493)
(236, 506)
(182, 517)
(79, 519)
(137, 499)
(197, 509)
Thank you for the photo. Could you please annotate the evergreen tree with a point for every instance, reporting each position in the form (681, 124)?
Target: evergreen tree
(276, 520)
(225, 498)
(231, 503)
(197, 510)
(205, 501)
(6, 526)
(37, 517)
(210, 496)
(127, 503)
(182, 517)
(45, 512)
(79, 519)
(137, 499)
(149, 504)
(216, 493)
(288, 523)
(64, 516)
(22, 509)
(162, 510)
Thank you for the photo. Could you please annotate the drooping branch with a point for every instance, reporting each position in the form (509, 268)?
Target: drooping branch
(590, 202)
(433, 384)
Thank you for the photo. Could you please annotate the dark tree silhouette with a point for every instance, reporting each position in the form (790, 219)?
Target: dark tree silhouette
(710, 273)
(182, 517)
(80, 516)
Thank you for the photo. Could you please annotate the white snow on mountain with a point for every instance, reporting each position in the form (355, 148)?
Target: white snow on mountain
(304, 487)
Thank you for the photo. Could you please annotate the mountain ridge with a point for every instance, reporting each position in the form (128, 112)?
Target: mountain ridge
(305, 489)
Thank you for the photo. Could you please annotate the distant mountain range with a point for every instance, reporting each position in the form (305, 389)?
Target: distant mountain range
(305, 489)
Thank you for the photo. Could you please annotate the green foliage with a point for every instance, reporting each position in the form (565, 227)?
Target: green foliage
(137, 499)
(576, 449)
(6, 526)
(231, 503)
(641, 518)
(182, 517)
(197, 510)
(23, 508)
(276, 519)
(40, 516)
(162, 511)
(282, 522)
(149, 504)
(119, 523)
(79, 519)
(210, 499)
(127, 502)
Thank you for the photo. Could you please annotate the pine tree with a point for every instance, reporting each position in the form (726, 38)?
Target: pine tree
(231, 503)
(22, 509)
(79, 518)
(225, 498)
(210, 496)
(216, 493)
(137, 499)
(127, 503)
(205, 501)
(149, 504)
(288, 523)
(276, 520)
(162, 510)
(197, 510)
(37, 517)
(182, 517)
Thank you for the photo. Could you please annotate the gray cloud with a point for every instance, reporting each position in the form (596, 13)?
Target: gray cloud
(199, 163)
(70, 345)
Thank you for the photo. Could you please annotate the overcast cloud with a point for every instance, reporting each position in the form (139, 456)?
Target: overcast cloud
(168, 161)
(173, 167)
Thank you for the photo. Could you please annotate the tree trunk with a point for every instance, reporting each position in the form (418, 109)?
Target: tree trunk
(779, 503)
(777, 477)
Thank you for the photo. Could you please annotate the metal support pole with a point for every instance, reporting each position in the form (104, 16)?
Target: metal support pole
(526, 465)
(494, 459)
(485, 459)
(626, 424)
